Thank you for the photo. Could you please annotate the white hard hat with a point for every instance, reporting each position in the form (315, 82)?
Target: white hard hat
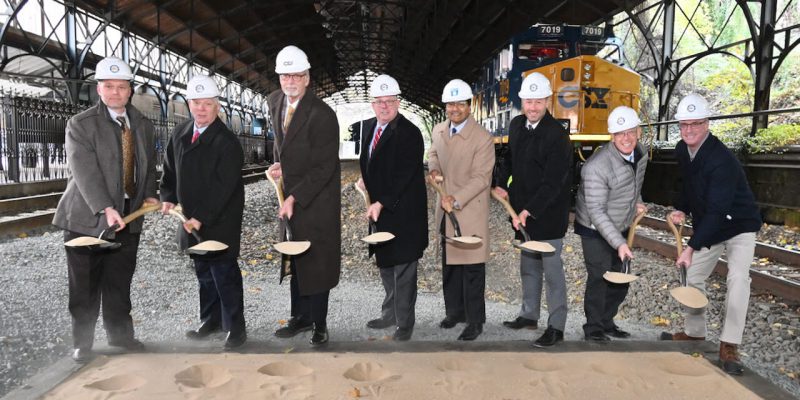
(291, 60)
(535, 86)
(622, 118)
(456, 90)
(113, 68)
(201, 87)
(693, 106)
(384, 85)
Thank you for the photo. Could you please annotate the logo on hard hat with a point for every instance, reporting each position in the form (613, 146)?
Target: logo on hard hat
(114, 68)
(534, 87)
(199, 88)
(287, 63)
(384, 86)
(620, 121)
(454, 92)
(691, 108)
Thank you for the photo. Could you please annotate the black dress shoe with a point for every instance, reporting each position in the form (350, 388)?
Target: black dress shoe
(448, 322)
(203, 331)
(550, 338)
(521, 322)
(379, 323)
(471, 332)
(131, 345)
(235, 340)
(402, 334)
(597, 336)
(617, 333)
(82, 355)
(320, 336)
(294, 327)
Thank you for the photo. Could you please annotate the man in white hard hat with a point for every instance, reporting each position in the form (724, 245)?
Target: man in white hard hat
(540, 161)
(609, 197)
(724, 217)
(306, 155)
(203, 172)
(112, 161)
(393, 174)
(462, 152)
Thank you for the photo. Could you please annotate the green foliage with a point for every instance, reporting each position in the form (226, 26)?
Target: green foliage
(733, 132)
(774, 138)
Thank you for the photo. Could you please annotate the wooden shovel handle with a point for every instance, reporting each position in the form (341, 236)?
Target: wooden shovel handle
(439, 188)
(278, 187)
(632, 230)
(146, 208)
(176, 212)
(677, 233)
(506, 205)
(364, 194)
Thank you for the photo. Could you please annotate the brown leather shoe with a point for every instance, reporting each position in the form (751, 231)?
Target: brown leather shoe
(729, 359)
(679, 336)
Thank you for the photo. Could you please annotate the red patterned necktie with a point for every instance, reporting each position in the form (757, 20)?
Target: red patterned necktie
(196, 135)
(375, 141)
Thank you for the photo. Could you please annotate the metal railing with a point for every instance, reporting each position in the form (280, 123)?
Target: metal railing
(32, 133)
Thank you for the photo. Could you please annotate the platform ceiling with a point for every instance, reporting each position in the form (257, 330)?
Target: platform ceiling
(422, 43)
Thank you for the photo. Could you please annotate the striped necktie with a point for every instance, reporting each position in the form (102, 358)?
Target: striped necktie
(128, 158)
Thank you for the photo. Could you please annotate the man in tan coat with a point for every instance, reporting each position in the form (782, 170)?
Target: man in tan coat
(462, 153)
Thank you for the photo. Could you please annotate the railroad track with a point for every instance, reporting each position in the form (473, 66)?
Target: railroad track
(774, 269)
(23, 214)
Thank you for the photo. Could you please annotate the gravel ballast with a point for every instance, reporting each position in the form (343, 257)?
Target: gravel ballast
(35, 322)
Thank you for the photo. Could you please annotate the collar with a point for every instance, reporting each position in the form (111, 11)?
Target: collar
(203, 129)
(692, 155)
(293, 105)
(458, 127)
(114, 115)
(532, 125)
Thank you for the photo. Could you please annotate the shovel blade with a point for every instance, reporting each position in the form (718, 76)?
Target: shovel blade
(292, 248)
(689, 296)
(467, 239)
(378, 237)
(207, 246)
(533, 246)
(619, 277)
(85, 241)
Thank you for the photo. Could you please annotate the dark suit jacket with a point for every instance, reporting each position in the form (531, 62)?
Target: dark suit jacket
(94, 156)
(309, 157)
(540, 164)
(716, 194)
(395, 177)
(205, 177)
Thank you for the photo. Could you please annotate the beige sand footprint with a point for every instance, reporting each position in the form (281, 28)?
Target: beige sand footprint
(544, 364)
(287, 391)
(458, 365)
(202, 376)
(285, 371)
(374, 374)
(453, 384)
(117, 384)
(555, 387)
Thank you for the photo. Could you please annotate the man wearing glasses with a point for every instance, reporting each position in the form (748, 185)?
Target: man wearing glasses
(462, 151)
(724, 217)
(609, 198)
(306, 155)
(393, 174)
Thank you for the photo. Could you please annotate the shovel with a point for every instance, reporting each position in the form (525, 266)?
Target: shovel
(100, 242)
(203, 246)
(528, 245)
(684, 294)
(449, 211)
(289, 247)
(626, 276)
(374, 237)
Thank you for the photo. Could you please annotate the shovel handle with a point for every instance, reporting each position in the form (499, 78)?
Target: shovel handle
(506, 205)
(632, 230)
(677, 232)
(175, 211)
(364, 194)
(439, 189)
(277, 185)
(144, 209)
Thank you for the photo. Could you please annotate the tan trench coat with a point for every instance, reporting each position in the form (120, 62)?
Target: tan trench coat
(466, 161)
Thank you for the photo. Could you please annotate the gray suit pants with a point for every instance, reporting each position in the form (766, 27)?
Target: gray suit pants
(534, 267)
(400, 283)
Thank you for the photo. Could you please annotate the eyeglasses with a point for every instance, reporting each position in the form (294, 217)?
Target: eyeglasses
(690, 125)
(293, 77)
(383, 103)
(457, 104)
(628, 133)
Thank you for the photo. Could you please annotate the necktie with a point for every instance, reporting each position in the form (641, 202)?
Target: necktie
(375, 140)
(453, 131)
(128, 158)
(196, 135)
(289, 113)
